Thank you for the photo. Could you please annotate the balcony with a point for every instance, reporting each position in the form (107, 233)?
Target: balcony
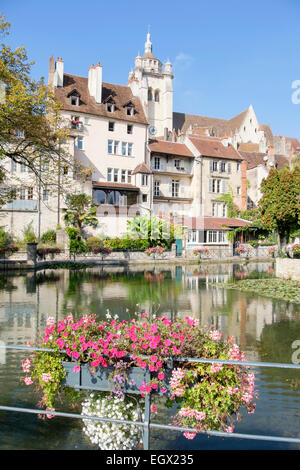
(172, 196)
(171, 170)
(21, 205)
(76, 126)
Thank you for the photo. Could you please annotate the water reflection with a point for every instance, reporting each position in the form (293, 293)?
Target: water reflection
(264, 328)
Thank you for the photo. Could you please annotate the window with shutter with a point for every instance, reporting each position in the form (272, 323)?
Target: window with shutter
(229, 167)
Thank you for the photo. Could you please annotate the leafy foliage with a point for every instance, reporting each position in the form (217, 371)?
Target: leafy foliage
(49, 237)
(32, 129)
(156, 231)
(76, 244)
(80, 211)
(280, 202)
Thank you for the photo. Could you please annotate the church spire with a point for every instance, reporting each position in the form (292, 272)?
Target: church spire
(148, 43)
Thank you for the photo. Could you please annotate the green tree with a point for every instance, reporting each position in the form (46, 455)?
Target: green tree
(280, 203)
(32, 129)
(80, 212)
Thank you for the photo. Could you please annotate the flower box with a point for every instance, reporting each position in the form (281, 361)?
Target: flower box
(102, 378)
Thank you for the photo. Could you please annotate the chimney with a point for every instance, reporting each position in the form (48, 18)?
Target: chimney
(91, 81)
(59, 73)
(95, 82)
(51, 72)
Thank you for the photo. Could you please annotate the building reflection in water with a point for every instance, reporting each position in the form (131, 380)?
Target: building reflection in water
(26, 300)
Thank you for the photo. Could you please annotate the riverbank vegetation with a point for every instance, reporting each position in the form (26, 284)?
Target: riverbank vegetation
(283, 289)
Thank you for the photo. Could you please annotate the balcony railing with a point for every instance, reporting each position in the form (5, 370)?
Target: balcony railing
(21, 205)
(76, 125)
(171, 169)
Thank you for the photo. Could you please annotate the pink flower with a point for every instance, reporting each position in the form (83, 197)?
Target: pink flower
(28, 380)
(189, 435)
(214, 368)
(161, 376)
(215, 335)
(153, 358)
(229, 429)
(153, 409)
(76, 369)
(49, 416)
(75, 354)
(50, 321)
(154, 385)
(46, 377)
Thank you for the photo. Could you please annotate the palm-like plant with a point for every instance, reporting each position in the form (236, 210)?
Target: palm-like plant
(80, 212)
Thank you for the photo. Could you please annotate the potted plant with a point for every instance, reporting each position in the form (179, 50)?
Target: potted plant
(201, 251)
(142, 357)
(155, 250)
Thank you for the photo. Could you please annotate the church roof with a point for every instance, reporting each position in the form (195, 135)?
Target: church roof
(149, 55)
(184, 122)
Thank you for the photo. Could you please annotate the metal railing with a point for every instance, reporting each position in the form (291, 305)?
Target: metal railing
(146, 424)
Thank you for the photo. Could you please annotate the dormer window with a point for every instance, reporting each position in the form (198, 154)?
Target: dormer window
(130, 110)
(74, 100)
(110, 107)
(156, 96)
(74, 97)
(129, 106)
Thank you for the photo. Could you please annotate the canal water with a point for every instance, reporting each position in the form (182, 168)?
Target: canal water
(264, 328)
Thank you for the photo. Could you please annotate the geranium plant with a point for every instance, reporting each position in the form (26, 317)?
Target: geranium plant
(208, 395)
(155, 250)
(200, 251)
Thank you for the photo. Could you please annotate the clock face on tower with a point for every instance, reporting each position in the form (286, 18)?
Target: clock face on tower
(152, 130)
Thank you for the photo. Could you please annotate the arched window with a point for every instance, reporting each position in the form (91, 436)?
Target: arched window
(99, 196)
(156, 96)
(150, 96)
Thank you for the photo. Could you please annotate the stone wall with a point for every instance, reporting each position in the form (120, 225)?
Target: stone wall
(288, 268)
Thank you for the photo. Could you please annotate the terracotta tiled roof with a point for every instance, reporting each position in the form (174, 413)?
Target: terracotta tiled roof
(142, 168)
(212, 223)
(120, 94)
(248, 147)
(220, 127)
(149, 55)
(295, 144)
(171, 148)
(268, 133)
(107, 184)
(253, 159)
(212, 147)
(281, 161)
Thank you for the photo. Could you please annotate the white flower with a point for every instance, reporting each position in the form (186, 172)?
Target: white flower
(111, 436)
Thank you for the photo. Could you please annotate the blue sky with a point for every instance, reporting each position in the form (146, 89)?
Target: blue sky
(226, 54)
